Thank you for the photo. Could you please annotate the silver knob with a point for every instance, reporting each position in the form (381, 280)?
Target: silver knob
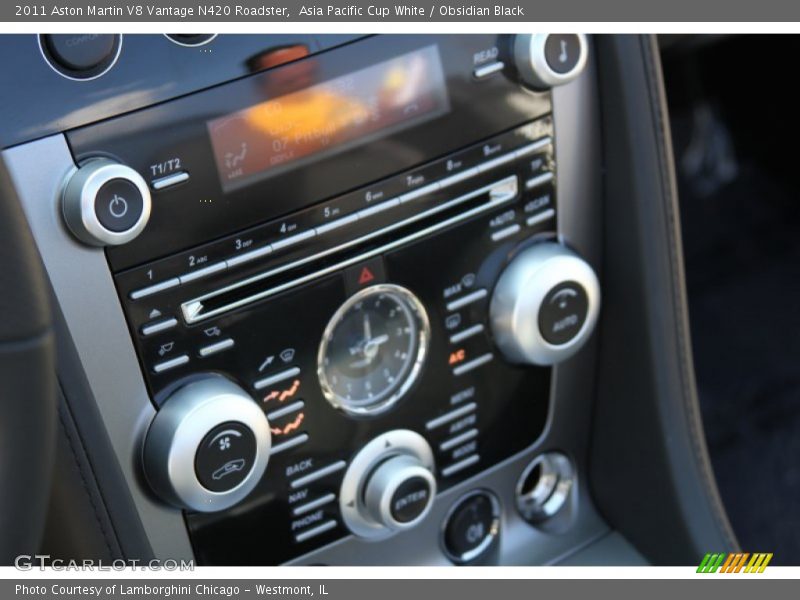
(545, 305)
(105, 203)
(208, 446)
(545, 60)
(399, 492)
(389, 485)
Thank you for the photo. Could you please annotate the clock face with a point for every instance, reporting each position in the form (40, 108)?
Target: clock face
(373, 349)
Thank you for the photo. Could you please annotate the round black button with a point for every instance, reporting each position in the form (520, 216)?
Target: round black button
(118, 205)
(410, 499)
(471, 527)
(191, 39)
(563, 312)
(225, 456)
(562, 52)
(82, 52)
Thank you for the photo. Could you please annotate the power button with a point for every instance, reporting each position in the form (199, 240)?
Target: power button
(105, 203)
(118, 205)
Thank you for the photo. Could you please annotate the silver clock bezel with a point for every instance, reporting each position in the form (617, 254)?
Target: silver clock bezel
(423, 342)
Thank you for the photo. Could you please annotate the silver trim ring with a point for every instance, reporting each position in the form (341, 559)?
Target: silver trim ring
(384, 482)
(491, 536)
(416, 310)
(177, 431)
(80, 193)
(552, 490)
(518, 297)
(399, 442)
(531, 61)
(49, 60)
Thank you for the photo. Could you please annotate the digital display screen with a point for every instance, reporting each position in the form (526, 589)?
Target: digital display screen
(328, 117)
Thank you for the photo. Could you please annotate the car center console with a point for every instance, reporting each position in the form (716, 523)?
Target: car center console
(337, 310)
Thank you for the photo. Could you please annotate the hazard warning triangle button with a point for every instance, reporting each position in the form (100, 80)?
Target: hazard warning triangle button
(364, 274)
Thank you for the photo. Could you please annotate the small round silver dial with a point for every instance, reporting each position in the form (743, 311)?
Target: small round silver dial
(545, 60)
(105, 203)
(545, 305)
(207, 446)
(373, 349)
(389, 485)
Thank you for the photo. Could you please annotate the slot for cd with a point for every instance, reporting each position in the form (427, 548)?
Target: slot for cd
(285, 277)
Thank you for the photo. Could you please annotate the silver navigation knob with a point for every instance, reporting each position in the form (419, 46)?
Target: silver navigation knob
(399, 492)
(105, 203)
(208, 446)
(545, 305)
(389, 485)
(545, 60)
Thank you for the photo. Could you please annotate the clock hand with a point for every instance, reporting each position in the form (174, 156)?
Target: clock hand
(367, 328)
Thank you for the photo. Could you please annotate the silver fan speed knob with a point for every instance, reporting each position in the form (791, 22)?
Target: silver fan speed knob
(545, 305)
(545, 60)
(208, 446)
(105, 203)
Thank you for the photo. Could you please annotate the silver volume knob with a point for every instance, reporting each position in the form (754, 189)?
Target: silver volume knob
(207, 446)
(545, 60)
(105, 203)
(545, 305)
(389, 485)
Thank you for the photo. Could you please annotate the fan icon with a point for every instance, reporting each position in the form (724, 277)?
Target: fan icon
(224, 443)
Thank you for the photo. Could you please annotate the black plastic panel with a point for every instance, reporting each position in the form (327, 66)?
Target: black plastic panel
(511, 401)
(283, 331)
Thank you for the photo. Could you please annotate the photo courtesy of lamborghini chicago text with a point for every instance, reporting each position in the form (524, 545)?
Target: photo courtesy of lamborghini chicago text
(398, 299)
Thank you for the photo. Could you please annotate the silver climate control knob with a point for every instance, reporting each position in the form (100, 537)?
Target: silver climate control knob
(545, 305)
(389, 485)
(208, 446)
(545, 60)
(105, 203)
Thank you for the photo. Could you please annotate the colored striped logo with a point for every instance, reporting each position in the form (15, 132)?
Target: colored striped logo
(735, 562)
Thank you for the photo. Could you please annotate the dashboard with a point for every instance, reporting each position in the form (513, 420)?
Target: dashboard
(333, 299)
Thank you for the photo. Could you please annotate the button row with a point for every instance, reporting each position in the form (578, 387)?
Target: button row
(453, 442)
(315, 531)
(451, 416)
(303, 236)
(169, 180)
(460, 465)
(276, 378)
(506, 232)
(313, 505)
(466, 300)
(318, 474)
(289, 444)
(473, 364)
(467, 333)
(203, 352)
(155, 327)
(486, 70)
(286, 410)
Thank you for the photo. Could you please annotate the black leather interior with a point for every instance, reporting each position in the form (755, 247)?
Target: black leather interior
(91, 513)
(651, 475)
(27, 373)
